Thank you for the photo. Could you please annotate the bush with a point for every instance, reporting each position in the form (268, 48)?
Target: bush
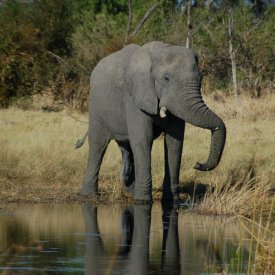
(54, 45)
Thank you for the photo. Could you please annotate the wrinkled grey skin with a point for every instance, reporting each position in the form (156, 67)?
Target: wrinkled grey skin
(138, 93)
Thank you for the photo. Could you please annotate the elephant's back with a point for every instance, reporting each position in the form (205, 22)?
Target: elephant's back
(107, 88)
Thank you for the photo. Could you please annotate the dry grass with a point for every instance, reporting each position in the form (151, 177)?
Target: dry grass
(265, 257)
(38, 161)
(37, 158)
(262, 252)
(241, 198)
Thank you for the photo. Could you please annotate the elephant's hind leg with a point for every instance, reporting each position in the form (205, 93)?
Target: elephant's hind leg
(99, 139)
(127, 173)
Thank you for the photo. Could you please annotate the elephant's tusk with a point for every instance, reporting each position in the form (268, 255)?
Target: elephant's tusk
(162, 112)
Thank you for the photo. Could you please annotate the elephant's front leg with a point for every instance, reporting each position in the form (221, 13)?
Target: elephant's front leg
(173, 150)
(141, 143)
(140, 130)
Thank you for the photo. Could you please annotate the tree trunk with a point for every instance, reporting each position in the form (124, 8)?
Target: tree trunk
(209, 3)
(130, 17)
(232, 57)
(189, 4)
(145, 18)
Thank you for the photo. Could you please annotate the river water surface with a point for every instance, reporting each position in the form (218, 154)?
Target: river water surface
(118, 239)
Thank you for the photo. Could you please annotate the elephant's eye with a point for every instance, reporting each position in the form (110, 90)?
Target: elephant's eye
(166, 78)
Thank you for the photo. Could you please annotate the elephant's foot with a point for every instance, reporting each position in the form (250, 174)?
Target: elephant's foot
(175, 199)
(88, 191)
(128, 183)
(174, 202)
(170, 192)
(143, 192)
(129, 188)
(127, 177)
(143, 201)
(141, 198)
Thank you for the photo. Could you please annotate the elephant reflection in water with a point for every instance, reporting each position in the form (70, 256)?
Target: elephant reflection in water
(133, 255)
(170, 241)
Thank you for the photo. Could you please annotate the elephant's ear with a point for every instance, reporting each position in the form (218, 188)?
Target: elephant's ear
(140, 83)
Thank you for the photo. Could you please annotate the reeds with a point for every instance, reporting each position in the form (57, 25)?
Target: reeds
(241, 198)
(261, 230)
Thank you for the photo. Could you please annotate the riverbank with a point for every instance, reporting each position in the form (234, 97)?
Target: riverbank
(38, 162)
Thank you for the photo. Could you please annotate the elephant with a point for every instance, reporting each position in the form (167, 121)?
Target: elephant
(136, 94)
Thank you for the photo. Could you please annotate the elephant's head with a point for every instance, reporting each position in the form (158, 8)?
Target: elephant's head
(161, 78)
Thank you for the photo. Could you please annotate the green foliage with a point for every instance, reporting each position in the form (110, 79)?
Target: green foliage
(18, 53)
(48, 44)
(28, 35)
(53, 19)
(92, 37)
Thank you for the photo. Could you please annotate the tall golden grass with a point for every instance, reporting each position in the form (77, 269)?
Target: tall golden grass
(38, 161)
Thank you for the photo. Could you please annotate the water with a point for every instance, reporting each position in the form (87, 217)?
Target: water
(117, 239)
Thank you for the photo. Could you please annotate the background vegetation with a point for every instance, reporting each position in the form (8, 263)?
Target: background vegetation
(51, 47)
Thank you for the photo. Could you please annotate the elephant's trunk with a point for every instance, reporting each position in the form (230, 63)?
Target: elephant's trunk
(189, 106)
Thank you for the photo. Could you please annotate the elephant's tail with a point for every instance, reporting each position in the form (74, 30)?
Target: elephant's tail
(81, 141)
